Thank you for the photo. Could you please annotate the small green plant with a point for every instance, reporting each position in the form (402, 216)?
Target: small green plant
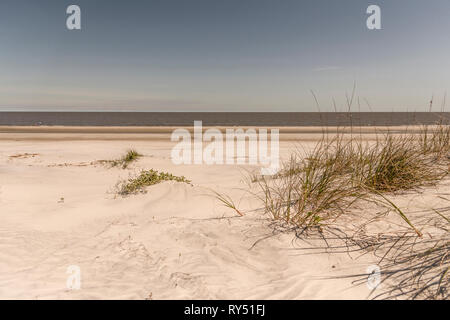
(129, 157)
(146, 178)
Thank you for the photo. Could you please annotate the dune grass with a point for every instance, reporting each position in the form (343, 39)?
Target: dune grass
(145, 178)
(418, 273)
(411, 267)
(316, 188)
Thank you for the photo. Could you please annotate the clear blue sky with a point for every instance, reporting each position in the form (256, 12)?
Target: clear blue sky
(222, 55)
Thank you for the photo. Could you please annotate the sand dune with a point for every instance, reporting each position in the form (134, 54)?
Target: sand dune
(174, 242)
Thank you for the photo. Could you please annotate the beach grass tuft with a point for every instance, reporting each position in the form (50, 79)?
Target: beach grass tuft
(317, 187)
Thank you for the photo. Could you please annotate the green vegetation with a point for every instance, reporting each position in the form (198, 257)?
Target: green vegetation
(144, 179)
(129, 157)
(341, 171)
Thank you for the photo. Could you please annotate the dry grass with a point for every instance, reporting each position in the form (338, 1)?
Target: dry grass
(316, 188)
(418, 273)
(412, 267)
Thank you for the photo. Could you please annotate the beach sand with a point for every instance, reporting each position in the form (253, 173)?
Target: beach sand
(174, 242)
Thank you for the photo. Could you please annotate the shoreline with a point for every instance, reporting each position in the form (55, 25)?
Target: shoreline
(311, 133)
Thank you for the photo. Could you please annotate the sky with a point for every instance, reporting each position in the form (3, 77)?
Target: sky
(223, 55)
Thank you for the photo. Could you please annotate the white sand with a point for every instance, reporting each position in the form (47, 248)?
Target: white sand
(174, 242)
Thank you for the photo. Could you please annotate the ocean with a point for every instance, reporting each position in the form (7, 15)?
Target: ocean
(263, 119)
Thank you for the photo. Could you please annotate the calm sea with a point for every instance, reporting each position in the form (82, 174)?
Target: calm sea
(221, 118)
